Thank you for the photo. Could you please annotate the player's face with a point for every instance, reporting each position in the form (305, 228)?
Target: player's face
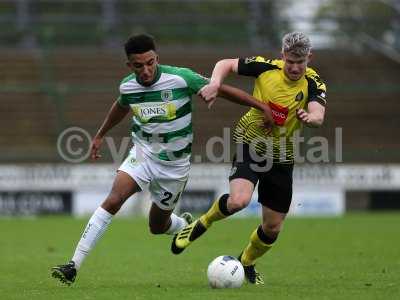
(144, 65)
(295, 66)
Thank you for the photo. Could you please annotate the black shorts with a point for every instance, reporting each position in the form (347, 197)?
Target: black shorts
(275, 180)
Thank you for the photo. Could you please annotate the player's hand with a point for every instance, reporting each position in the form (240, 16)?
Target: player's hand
(268, 119)
(95, 147)
(209, 93)
(303, 116)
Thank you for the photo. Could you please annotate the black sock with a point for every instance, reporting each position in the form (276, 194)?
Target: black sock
(266, 239)
(223, 204)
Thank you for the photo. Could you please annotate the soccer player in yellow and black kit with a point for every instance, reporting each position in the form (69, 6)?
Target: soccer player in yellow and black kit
(296, 96)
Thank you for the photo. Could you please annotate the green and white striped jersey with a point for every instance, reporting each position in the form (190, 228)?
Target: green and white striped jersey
(162, 112)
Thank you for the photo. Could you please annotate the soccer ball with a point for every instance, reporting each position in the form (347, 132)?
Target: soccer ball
(225, 272)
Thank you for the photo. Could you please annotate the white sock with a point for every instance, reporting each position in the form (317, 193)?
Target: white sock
(95, 228)
(177, 223)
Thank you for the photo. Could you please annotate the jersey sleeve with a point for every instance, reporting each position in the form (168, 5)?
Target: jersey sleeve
(316, 87)
(122, 100)
(255, 66)
(194, 80)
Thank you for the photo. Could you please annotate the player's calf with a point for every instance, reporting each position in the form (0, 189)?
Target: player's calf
(171, 226)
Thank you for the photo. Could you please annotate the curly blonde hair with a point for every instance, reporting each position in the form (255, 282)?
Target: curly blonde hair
(296, 43)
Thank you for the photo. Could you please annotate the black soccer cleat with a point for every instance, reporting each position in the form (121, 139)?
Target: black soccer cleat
(65, 273)
(186, 236)
(251, 274)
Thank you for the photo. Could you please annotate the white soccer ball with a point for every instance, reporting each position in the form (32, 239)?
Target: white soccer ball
(225, 272)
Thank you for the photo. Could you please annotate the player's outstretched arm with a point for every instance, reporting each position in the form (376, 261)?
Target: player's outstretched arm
(221, 70)
(241, 97)
(114, 116)
(314, 116)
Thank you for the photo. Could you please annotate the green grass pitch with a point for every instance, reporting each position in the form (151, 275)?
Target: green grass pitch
(353, 257)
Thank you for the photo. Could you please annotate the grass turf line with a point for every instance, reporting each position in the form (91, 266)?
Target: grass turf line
(354, 257)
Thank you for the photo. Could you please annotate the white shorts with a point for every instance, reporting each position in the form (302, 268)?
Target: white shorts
(165, 182)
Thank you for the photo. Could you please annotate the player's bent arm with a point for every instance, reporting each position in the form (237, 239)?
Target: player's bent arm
(115, 115)
(241, 97)
(221, 70)
(316, 114)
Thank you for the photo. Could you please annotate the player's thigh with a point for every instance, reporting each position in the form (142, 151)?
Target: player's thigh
(272, 220)
(275, 188)
(139, 171)
(242, 180)
(131, 177)
(165, 193)
(123, 187)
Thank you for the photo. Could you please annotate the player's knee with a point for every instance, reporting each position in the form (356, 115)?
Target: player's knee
(237, 202)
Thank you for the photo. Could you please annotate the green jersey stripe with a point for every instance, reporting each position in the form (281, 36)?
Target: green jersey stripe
(161, 137)
(129, 78)
(164, 127)
(174, 155)
(155, 96)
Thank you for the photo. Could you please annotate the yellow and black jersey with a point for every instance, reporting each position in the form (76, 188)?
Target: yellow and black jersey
(284, 96)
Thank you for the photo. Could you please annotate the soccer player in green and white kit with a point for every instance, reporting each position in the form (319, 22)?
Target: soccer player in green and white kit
(160, 98)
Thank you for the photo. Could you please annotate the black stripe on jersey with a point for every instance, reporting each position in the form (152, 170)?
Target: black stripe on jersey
(315, 94)
(250, 67)
(318, 99)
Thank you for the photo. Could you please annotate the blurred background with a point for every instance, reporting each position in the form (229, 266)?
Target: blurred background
(61, 63)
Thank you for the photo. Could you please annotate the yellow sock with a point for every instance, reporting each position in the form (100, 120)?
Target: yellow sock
(213, 214)
(255, 249)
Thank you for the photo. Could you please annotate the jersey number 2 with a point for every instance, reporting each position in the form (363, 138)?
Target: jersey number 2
(168, 196)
